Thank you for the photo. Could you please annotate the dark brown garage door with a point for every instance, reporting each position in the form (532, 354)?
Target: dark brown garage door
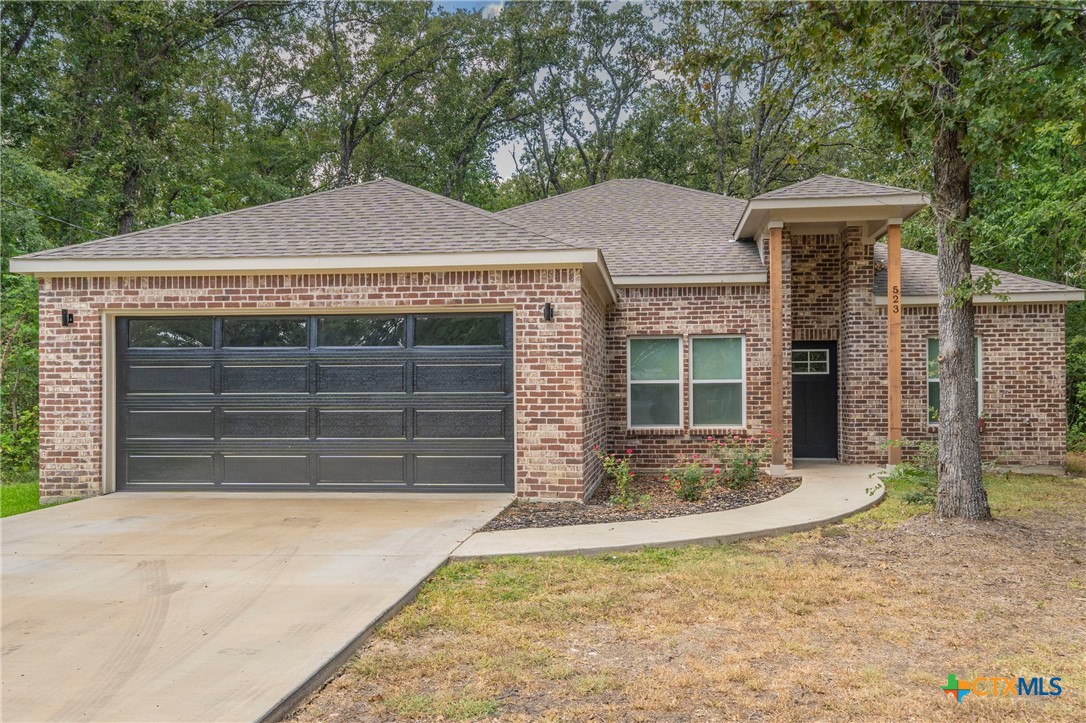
(326, 402)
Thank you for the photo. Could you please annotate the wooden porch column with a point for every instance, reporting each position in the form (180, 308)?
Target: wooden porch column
(893, 339)
(776, 344)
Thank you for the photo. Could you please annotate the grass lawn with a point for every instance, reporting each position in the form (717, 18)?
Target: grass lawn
(19, 494)
(863, 620)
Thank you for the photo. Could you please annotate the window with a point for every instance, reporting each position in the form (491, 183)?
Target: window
(170, 333)
(933, 378)
(360, 331)
(717, 397)
(654, 386)
(264, 332)
(460, 330)
(810, 361)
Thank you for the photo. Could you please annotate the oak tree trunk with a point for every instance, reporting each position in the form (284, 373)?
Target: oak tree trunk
(960, 492)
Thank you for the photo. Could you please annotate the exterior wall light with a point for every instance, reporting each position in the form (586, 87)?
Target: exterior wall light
(548, 312)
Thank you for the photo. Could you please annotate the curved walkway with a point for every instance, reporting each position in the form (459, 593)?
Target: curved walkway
(829, 492)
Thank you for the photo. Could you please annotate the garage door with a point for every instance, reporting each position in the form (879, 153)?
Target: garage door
(324, 402)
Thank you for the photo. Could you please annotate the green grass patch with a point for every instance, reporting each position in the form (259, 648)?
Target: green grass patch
(1009, 495)
(19, 494)
(418, 706)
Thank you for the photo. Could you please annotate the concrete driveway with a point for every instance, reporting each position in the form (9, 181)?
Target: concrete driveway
(206, 607)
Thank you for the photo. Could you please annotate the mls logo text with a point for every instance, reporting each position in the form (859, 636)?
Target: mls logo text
(996, 686)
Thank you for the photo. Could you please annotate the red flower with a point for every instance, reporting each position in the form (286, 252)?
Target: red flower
(629, 451)
(596, 447)
(716, 470)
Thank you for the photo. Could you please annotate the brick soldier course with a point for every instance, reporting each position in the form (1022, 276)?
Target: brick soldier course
(623, 259)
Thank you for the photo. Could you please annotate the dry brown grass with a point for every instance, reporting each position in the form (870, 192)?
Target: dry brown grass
(862, 620)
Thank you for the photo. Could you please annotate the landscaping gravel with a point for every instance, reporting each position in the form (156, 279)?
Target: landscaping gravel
(661, 503)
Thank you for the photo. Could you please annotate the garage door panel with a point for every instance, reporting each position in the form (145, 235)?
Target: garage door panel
(169, 379)
(266, 469)
(361, 378)
(171, 424)
(361, 424)
(459, 470)
(279, 415)
(170, 469)
(293, 379)
(479, 377)
(460, 424)
(362, 469)
(265, 424)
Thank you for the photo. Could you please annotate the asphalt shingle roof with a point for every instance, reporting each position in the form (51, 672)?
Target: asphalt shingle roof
(378, 217)
(825, 186)
(920, 276)
(646, 227)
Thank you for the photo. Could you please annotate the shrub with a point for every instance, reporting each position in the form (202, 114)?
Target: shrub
(618, 469)
(691, 480)
(741, 458)
(921, 472)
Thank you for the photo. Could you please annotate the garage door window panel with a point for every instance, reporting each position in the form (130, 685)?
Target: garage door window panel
(361, 331)
(261, 333)
(460, 330)
(194, 333)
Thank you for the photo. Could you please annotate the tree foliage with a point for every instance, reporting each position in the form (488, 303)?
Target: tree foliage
(125, 115)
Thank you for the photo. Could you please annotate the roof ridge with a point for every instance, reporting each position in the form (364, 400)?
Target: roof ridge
(46, 252)
(478, 211)
(858, 180)
(617, 180)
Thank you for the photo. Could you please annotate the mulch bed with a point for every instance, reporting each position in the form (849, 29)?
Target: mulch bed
(662, 503)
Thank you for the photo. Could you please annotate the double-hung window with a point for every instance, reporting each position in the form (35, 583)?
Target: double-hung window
(933, 378)
(654, 381)
(717, 387)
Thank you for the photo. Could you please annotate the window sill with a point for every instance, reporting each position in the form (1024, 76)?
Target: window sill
(687, 432)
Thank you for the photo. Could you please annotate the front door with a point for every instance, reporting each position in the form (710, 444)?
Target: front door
(814, 399)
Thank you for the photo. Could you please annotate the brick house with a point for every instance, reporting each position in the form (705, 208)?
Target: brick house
(380, 337)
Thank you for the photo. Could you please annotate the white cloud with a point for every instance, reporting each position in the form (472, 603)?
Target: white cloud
(494, 9)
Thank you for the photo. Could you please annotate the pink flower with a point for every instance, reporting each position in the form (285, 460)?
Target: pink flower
(695, 456)
(716, 470)
(596, 447)
(710, 438)
(629, 451)
(748, 462)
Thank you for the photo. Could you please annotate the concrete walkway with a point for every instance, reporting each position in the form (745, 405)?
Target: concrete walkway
(829, 492)
(212, 607)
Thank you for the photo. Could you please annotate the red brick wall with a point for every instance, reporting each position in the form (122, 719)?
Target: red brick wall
(688, 312)
(595, 385)
(549, 355)
(816, 287)
(1022, 363)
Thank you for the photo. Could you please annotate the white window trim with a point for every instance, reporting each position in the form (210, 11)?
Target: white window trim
(742, 380)
(979, 379)
(629, 382)
(812, 374)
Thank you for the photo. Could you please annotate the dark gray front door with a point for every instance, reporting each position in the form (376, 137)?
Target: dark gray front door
(814, 399)
(328, 402)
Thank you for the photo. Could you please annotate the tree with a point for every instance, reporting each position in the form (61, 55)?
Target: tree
(369, 58)
(967, 81)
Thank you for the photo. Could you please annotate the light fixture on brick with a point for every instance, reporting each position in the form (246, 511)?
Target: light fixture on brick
(548, 312)
(67, 318)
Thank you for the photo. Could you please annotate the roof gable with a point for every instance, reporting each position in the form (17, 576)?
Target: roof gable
(377, 217)
(826, 186)
(647, 228)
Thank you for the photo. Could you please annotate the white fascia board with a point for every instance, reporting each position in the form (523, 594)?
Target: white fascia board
(755, 277)
(1025, 297)
(897, 199)
(45, 266)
